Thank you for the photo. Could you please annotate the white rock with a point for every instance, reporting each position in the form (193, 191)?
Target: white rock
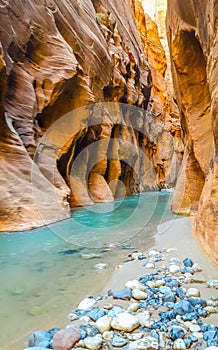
(139, 294)
(212, 348)
(196, 267)
(147, 343)
(135, 285)
(194, 328)
(86, 303)
(103, 324)
(174, 268)
(108, 306)
(162, 339)
(179, 344)
(135, 336)
(174, 261)
(72, 317)
(149, 265)
(210, 309)
(101, 266)
(198, 335)
(108, 335)
(153, 253)
(136, 255)
(144, 319)
(93, 343)
(133, 307)
(125, 322)
(159, 283)
(213, 284)
(193, 292)
(150, 284)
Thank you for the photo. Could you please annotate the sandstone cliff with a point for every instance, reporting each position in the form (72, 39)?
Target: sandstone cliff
(55, 57)
(192, 32)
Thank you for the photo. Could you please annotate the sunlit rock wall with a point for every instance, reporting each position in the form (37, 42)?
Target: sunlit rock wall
(55, 57)
(192, 32)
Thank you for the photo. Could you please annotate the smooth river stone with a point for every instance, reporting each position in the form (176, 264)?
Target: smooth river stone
(93, 343)
(125, 322)
(147, 343)
(139, 294)
(65, 339)
(192, 292)
(174, 268)
(103, 324)
(135, 285)
(179, 344)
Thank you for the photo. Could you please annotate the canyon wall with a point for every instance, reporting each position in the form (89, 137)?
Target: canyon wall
(55, 57)
(193, 41)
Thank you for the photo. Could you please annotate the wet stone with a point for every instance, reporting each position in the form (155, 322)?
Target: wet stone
(116, 310)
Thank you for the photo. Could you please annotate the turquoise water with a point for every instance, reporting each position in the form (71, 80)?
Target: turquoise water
(45, 272)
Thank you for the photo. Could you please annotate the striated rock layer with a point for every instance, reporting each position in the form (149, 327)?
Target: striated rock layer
(55, 57)
(193, 38)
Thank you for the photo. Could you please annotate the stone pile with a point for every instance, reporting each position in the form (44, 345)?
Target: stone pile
(163, 309)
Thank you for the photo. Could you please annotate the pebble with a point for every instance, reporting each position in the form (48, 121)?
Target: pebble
(136, 255)
(135, 285)
(116, 310)
(108, 335)
(188, 262)
(125, 322)
(174, 261)
(65, 339)
(149, 265)
(192, 292)
(177, 332)
(194, 328)
(124, 294)
(179, 344)
(72, 317)
(103, 324)
(196, 267)
(159, 283)
(39, 337)
(153, 253)
(139, 295)
(174, 268)
(93, 343)
(213, 284)
(147, 343)
(144, 319)
(133, 307)
(86, 303)
(210, 309)
(118, 341)
(135, 336)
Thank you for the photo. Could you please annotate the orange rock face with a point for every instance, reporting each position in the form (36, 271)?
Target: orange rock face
(55, 57)
(192, 31)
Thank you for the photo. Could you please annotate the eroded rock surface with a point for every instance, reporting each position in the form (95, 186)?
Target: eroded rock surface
(192, 30)
(55, 57)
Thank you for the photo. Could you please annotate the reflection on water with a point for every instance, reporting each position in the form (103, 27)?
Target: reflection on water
(45, 272)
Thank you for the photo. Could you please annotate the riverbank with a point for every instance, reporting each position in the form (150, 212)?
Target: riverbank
(170, 285)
